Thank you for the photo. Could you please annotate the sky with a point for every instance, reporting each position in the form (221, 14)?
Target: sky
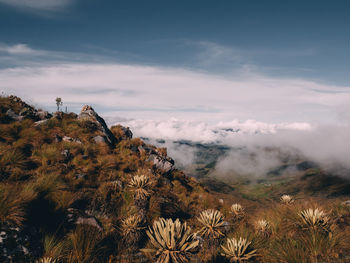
(203, 61)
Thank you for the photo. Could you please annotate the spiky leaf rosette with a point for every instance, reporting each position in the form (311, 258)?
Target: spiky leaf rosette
(141, 186)
(131, 229)
(314, 218)
(172, 241)
(237, 211)
(263, 227)
(46, 260)
(286, 199)
(238, 250)
(212, 221)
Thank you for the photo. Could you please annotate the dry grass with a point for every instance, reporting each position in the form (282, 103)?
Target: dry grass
(11, 205)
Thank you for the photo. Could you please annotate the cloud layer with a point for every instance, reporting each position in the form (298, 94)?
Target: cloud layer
(257, 147)
(150, 92)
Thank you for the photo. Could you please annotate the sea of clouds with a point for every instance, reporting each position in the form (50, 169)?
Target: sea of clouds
(256, 147)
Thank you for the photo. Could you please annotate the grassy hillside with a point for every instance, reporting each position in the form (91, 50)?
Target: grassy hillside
(74, 190)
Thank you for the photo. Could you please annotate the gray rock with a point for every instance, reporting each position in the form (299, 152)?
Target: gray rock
(99, 139)
(88, 221)
(127, 132)
(13, 115)
(88, 114)
(165, 164)
(57, 115)
(42, 115)
(39, 123)
(76, 216)
(70, 139)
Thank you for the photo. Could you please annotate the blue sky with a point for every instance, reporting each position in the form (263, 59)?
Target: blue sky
(272, 61)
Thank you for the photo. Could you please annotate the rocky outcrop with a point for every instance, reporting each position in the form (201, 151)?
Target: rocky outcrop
(24, 111)
(160, 161)
(88, 114)
(12, 115)
(163, 163)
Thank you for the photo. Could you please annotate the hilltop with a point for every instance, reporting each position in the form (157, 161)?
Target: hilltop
(74, 190)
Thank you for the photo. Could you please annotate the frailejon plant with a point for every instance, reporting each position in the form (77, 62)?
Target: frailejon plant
(46, 260)
(263, 227)
(131, 228)
(237, 211)
(172, 241)
(314, 218)
(140, 185)
(213, 222)
(238, 250)
(286, 199)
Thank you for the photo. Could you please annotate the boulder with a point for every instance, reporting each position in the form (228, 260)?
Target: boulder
(87, 113)
(165, 164)
(10, 113)
(99, 139)
(39, 123)
(127, 132)
(77, 217)
(43, 115)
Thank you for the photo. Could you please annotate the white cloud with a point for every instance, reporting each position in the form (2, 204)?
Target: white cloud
(19, 49)
(161, 93)
(223, 132)
(37, 4)
(257, 147)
